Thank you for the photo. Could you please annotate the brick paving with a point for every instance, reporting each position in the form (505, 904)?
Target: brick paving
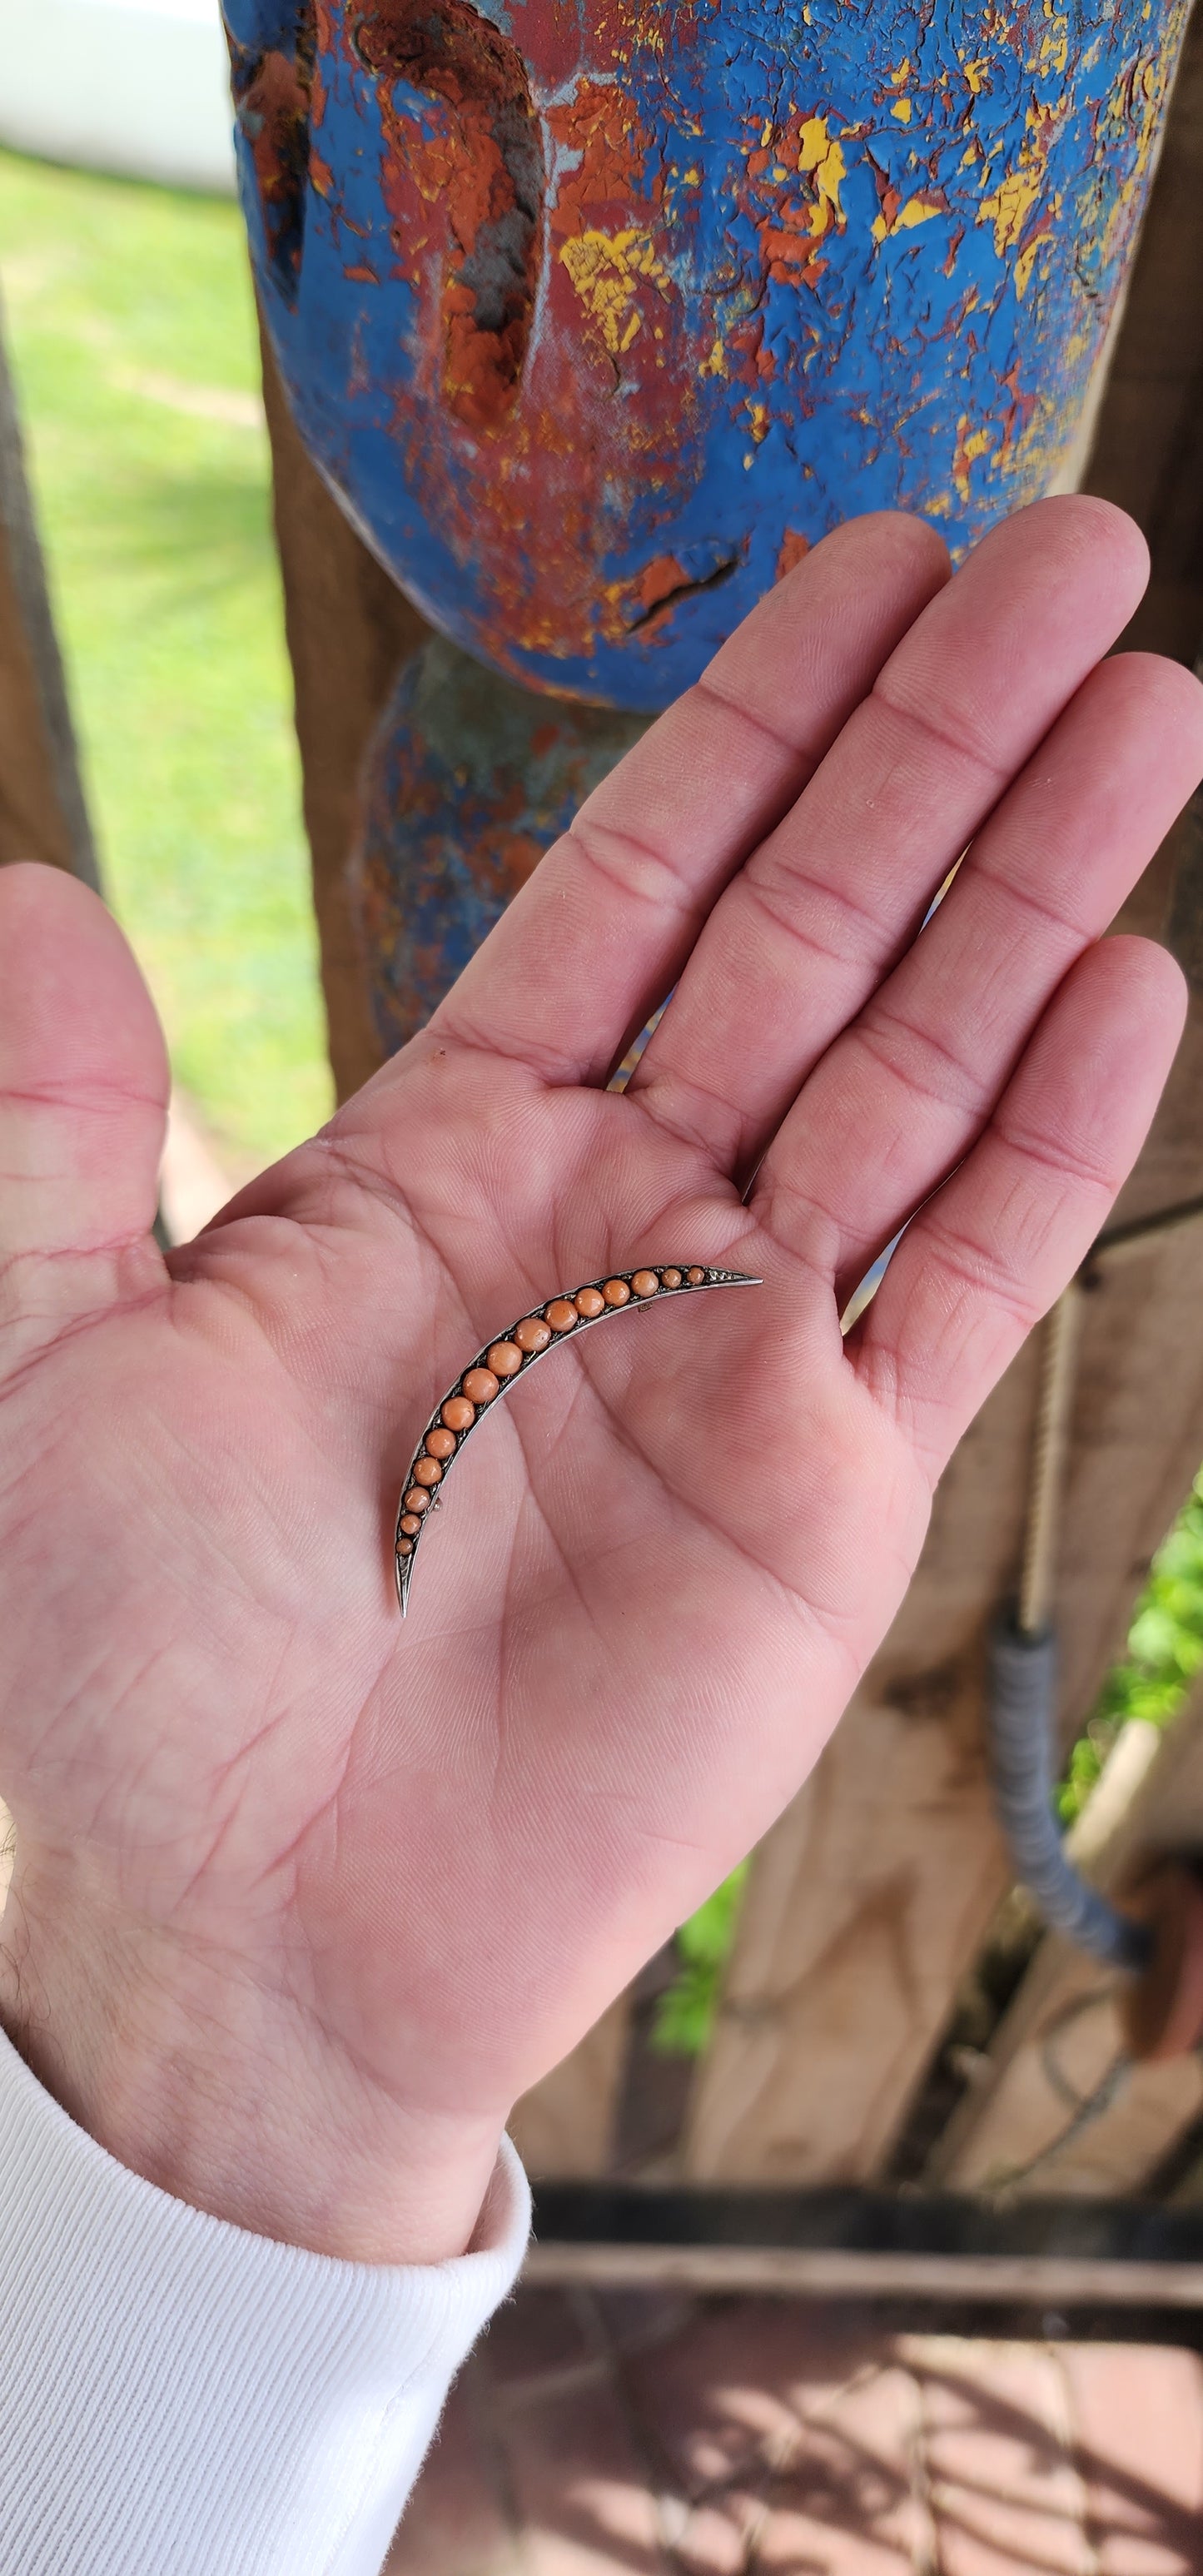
(647, 2435)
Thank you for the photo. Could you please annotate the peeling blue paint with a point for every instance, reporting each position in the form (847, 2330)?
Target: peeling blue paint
(732, 274)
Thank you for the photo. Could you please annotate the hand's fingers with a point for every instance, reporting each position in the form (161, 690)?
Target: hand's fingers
(596, 938)
(899, 1098)
(994, 1249)
(823, 908)
(83, 1093)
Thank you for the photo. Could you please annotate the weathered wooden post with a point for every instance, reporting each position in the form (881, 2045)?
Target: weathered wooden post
(42, 810)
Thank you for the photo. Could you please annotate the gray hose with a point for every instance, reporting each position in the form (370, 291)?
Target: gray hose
(1022, 1703)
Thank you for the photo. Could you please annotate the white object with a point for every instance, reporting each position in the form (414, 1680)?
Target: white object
(137, 87)
(181, 2398)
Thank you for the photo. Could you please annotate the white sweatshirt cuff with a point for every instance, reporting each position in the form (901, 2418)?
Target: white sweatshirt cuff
(181, 2397)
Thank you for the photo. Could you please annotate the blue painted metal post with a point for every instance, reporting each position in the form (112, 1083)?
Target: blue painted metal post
(597, 316)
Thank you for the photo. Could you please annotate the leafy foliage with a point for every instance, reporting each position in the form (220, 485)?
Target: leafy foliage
(685, 2013)
(1165, 1651)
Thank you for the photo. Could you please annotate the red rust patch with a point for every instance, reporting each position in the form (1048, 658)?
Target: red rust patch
(793, 547)
(482, 167)
(272, 94)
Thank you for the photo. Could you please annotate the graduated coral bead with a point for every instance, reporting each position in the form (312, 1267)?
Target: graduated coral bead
(532, 1335)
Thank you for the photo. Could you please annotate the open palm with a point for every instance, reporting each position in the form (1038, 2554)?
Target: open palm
(398, 1870)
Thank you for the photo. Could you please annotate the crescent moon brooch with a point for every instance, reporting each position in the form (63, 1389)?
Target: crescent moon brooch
(503, 1361)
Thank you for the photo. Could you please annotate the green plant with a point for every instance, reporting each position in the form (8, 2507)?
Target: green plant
(685, 2013)
(1165, 1650)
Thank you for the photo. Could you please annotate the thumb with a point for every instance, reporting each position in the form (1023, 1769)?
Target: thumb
(83, 1094)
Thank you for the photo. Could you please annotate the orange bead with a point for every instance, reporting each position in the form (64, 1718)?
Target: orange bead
(457, 1413)
(405, 1547)
(671, 1278)
(644, 1283)
(616, 1292)
(428, 1472)
(416, 1500)
(440, 1444)
(532, 1334)
(411, 1524)
(480, 1386)
(590, 1302)
(561, 1314)
(695, 1277)
(505, 1359)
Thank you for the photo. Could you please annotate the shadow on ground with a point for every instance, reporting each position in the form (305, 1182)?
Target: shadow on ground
(664, 2436)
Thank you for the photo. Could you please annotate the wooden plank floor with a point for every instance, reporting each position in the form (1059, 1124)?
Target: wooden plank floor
(655, 2436)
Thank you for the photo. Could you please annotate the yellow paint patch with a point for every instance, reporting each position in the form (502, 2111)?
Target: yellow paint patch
(606, 269)
(977, 73)
(1008, 206)
(716, 363)
(1027, 258)
(1053, 54)
(971, 443)
(917, 210)
(902, 110)
(821, 157)
(758, 414)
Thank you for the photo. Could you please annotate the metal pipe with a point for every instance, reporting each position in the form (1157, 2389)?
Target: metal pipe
(836, 2272)
(1022, 1708)
(1022, 1699)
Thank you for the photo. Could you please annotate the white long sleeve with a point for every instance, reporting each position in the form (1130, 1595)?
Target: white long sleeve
(181, 2398)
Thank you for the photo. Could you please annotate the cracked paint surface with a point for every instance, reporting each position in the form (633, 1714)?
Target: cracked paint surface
(596, 313)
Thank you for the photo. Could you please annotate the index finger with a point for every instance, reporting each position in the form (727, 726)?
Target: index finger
(600, 932)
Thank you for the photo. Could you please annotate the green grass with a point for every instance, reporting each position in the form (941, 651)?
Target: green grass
(131, 328)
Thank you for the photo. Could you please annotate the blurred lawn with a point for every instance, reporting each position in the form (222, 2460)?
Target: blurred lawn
(131, 326)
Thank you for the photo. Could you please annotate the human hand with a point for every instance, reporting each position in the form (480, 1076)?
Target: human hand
(304, 1899)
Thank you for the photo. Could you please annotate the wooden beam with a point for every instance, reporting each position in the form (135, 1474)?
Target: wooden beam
(1062, 2037)
(818, 2272)
(868, 1898)
(42, 810)
(1148, 442)
(349, 632)
(563, 2128)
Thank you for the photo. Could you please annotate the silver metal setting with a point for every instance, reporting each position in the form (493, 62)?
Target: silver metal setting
(673, 1279)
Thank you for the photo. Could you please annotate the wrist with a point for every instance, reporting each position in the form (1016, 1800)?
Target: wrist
(186, 2070)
